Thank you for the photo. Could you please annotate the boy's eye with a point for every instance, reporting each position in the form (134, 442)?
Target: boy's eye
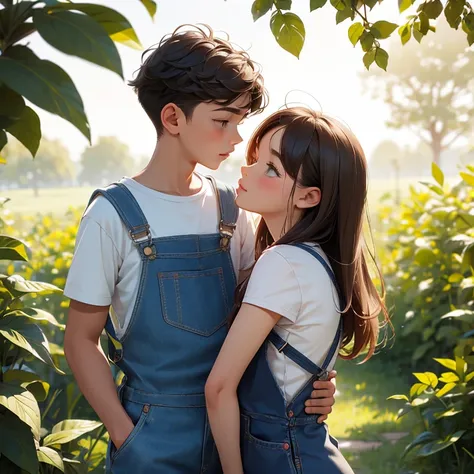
(272, 171)
(223, 123)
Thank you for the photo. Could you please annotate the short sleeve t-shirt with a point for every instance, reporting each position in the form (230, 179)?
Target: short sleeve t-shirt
(106, 265)
(291, 282)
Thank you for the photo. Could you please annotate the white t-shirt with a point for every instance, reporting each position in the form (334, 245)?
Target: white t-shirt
(291, 282)
(106, 266)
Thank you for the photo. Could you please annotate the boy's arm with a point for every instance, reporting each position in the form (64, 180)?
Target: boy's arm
(91, 368)
(322, 397)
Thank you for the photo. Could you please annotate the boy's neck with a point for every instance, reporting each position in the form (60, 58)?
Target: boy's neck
(169, 171)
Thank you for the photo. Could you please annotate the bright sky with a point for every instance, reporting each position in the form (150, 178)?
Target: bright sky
(327, 70)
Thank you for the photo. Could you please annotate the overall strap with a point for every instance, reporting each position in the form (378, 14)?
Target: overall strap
(131, 215)
(296, 356)
(228, 210)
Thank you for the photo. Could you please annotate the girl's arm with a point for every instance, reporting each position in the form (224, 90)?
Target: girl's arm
(248, 332)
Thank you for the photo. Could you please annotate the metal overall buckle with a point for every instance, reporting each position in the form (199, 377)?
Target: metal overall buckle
(226, 231)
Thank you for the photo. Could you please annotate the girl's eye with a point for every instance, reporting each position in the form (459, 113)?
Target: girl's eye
(272, 171)
(223, 123)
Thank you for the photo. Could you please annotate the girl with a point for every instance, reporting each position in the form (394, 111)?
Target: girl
(309, 295)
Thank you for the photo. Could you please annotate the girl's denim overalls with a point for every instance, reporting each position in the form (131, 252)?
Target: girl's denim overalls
(282, 439)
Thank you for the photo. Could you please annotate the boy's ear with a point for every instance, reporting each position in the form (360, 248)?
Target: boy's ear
(171, 118)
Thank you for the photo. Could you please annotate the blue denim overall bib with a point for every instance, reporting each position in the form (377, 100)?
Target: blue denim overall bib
(282, 439)
(177, 328)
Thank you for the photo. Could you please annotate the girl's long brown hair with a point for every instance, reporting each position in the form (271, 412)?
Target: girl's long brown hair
(318, 151)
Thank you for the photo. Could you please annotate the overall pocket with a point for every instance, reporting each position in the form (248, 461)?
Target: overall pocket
(139, 414)
(195, 301)
(260, 455)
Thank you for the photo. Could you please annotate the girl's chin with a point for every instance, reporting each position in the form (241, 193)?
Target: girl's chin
(244, 204)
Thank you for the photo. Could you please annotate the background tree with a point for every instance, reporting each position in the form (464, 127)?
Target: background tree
(51, 167)
(429, 88)
(106, 161)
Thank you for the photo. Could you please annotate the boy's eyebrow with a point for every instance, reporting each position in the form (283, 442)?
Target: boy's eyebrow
(233, 110)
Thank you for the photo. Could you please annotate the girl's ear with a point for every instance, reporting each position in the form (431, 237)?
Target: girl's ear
(308, 197)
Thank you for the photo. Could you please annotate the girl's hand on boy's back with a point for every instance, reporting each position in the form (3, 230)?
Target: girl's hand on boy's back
(322, 397)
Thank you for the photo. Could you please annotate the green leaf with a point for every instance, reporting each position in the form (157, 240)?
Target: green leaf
(283, 4)
(437, 173)
(44, 84)
(417, 389)
(117, 26)
(439, 445)
(422, 438)
(383, 29)
(448, 363)
(381, 58)
(343, 15)
(315, 4)
(433, 188)
(449, 377)
(30, 381)
(50, 456)
(41, 316)
(338, 4)
(366, 42)
(17, 443)
(469, 377)
(150, 6)
(12, 249)
(461, 366)
(421, 400)
(289, 32)
(11, 106)
(404, 4)
(418, 35)
(27, 335)
(405, 33)
(427, 378)
(69, 430)
(432, 8)
(23, 404)
(398, 397)
(18, 286)
(424, 23)
(468, 178)
(443, 391)
(460, 315)
(448, 413)
(27, 130)
(425, 256)
(369, 58)
(78, 35)
(260, 8)
(355, 32)
(73, 466)
(453, 11)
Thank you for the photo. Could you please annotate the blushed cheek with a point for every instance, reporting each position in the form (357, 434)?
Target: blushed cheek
(269, 185)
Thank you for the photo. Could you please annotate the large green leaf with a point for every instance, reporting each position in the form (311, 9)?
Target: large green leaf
(42, 316)
(78, 35)
(44, 84)
(69, 430)
(438, 445)
(17, 443)
(150, 6)
(27, 335)
(117, 26)
(289, 31)
(30, 381)
(18, 286)
(23, 404)
(11, 106)
(260, 8)
(12, 249)
(50, 456)
(27, 129)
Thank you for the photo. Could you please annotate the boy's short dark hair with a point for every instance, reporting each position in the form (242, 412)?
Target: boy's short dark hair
(193, 66)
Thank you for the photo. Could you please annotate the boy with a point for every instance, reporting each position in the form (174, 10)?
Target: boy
(162, 252)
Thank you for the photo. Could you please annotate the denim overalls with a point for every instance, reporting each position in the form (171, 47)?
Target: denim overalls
(177, 328)
(282, 439)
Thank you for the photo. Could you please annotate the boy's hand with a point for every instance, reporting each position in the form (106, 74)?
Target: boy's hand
(119, 437)
(322, 397)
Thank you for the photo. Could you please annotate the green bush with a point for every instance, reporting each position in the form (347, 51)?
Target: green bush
(427, 265)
